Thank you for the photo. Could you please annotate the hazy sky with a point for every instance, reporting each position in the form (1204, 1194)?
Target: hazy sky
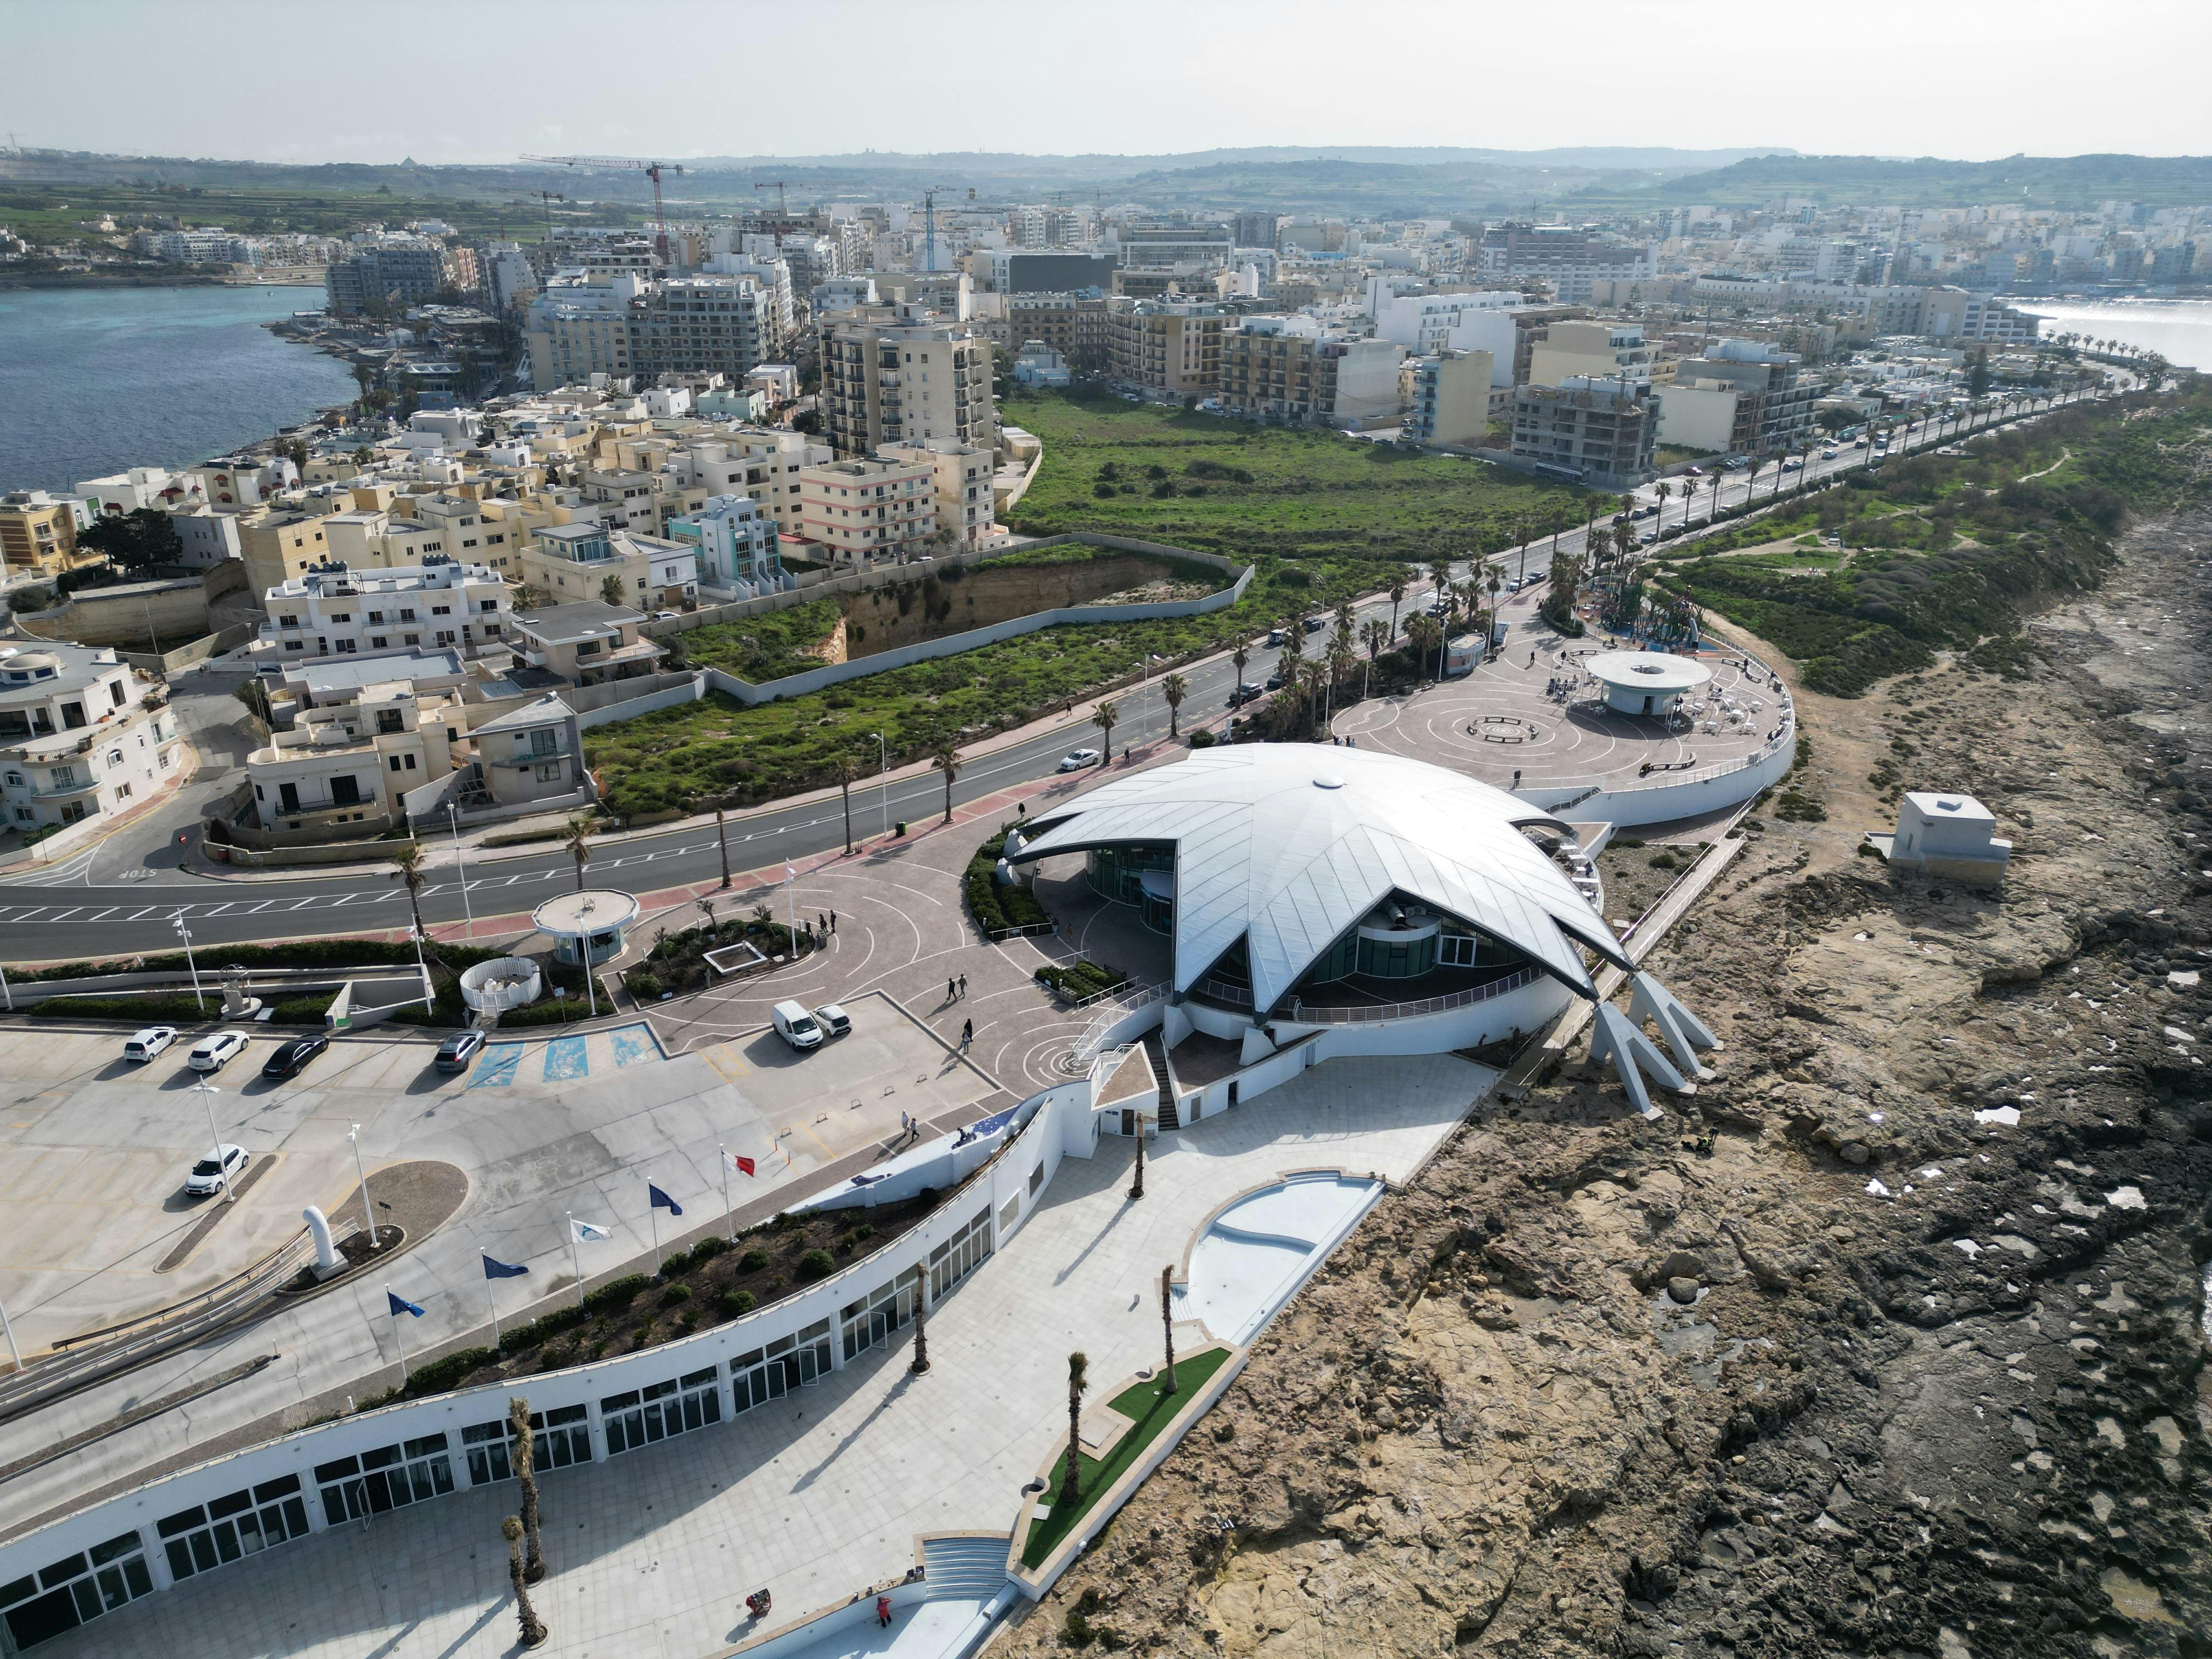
(470, 81)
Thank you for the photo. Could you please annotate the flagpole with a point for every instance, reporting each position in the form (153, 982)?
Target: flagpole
(493, 1300)
(574, 1260)
(399, 1338)
(729, 1216)
(652, 1214)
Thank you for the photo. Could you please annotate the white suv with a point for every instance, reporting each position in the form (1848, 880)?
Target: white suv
(212, 1053)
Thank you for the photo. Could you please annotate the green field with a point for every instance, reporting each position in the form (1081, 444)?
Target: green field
(1948, 554)
(722, 750)
(1307, 491)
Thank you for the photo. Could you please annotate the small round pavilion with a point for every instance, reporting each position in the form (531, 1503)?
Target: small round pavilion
(593, 920)
(1646, 681)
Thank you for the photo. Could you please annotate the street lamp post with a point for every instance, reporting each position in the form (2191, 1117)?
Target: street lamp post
(10, 1329)
(884, 773)
(368, 1210)
(206, 1091)
(185, 935)
(453, 822)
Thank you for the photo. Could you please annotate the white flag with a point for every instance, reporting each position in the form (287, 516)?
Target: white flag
(587, 1233)
(789, 874)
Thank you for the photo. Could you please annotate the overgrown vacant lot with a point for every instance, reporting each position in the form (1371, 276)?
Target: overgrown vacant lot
(1946, 554)
(720, 749)
(1239, 488)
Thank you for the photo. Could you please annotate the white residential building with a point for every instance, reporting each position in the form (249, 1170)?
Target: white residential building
(81, 736)
(859, 512)
(961, 476)
(333, 611)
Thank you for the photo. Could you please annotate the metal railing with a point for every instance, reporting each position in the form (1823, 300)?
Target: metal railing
(1365, 1016)
(1127, 1003)
(119, 1348)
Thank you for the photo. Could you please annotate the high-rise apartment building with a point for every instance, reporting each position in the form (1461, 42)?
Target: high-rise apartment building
(860, 511)
(1600, 434)
(1073, 325)
(1565, 257)
(894, 375)
(394, 271)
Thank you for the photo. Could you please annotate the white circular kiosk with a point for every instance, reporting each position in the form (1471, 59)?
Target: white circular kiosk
(597, 915)
(1646, 681)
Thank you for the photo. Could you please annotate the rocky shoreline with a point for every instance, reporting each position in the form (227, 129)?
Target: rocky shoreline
(1888, 1342)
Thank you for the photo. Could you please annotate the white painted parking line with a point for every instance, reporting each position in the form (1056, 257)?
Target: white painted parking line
(217, 911)
(104, 915)
(260, 907)
(148, 911)
(67, 913)
(305, 903)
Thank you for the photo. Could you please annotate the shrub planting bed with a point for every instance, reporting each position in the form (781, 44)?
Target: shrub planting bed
(998, 909)
(709, 1284)
(1082, 978)
(678, 962)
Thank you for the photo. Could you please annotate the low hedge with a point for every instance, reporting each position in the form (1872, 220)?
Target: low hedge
(300, 953)
(998, 908)
(160, 1009)
(1080, 978)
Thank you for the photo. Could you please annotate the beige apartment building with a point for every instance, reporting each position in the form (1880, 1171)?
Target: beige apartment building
(342, 768)
(1596, 351)
(1167, 349)
(37, 532)
(575, 562)
(860, 512)
(1073, 325)
(961, 476)
(891, 374)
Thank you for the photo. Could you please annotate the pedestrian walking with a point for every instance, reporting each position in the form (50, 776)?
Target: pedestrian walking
(967, 1032)
(833, 921)
(883, 1609)
(952, 992)
(821, 922)
(963, 986)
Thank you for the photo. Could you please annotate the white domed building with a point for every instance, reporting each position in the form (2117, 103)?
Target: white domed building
(1376, 903)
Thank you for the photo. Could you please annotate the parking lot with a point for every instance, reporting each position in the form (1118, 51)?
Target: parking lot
(97, 1148)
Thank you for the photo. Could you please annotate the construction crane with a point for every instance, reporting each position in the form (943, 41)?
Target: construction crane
(652, 170)
(782, 221)
(547, 197)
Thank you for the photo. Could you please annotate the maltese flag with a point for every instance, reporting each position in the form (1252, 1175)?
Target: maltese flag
(590, 1233)
(741, 1165)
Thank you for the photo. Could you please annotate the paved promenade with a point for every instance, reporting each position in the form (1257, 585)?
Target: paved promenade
(823, 1493)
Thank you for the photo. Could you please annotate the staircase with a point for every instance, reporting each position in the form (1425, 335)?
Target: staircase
(965, 1568)
(1156, 1051)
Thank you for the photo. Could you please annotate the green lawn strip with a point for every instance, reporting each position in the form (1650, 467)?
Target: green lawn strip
(767, 647)
(721, 749)
(1152, 1412)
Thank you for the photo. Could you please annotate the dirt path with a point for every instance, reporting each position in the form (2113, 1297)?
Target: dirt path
(1884, 1343)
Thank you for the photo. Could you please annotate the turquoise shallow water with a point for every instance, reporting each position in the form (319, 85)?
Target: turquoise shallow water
(94, 380)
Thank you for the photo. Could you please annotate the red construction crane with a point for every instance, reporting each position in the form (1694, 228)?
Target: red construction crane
(652, 170)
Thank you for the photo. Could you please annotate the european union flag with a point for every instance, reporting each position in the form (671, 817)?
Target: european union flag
(495, 1268)
(661, 1201)
(400, 1305)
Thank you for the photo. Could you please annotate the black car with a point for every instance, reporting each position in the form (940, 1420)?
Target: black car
(1243, 694)
(1276, 681)
(291, 1058)
(455, 1053)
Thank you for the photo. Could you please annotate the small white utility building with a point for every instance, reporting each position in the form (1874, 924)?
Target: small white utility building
(1952, 836)
(1646, 681)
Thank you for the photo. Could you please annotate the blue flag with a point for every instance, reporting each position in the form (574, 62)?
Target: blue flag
(662, 1201)
(495, 1268)
(400, 1304)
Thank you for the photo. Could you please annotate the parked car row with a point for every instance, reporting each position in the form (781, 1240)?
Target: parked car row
(804, 1029)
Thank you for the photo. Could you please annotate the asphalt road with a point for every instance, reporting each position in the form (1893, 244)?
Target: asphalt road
(124, 895)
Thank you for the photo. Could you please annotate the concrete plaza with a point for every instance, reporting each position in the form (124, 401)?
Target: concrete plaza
(824, 1491)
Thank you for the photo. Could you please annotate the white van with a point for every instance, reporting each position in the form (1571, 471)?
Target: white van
(795, 1025)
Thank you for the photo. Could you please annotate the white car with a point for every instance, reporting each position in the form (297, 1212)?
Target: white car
(213, 1052)
(150, 1043)
(210, 1173)
(1076, 759)
(795, 1025)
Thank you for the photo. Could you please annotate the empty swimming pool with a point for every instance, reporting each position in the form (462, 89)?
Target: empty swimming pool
(1258, 1251)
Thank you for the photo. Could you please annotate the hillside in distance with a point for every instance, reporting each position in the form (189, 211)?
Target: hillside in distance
(2045, 181)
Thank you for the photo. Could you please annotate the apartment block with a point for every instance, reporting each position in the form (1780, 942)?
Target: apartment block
(735, 540)
(331, 611)
(888, 375)
(588, 642)
(1165, 349)
(37, 532)
(342, 768)
(396, 271)
(1447, 399)
(1600, 434)
(1598, 350)
(573, 562)
(1566, 258)
(1073, 325)
(859, 512)
(961, 480)
(81, 736)
(1293, 370)
(1786, 399)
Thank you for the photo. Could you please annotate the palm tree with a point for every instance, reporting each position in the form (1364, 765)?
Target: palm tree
(1344, 621)
(1440, 574)
(1397, 591)
(1663, 492)
(1103, 717)
(1374, 634)
(1713, 511)
(1312, 677)
(1078, 1378)
(949, 761)
(1137, 1185)
(611, 590)
(722, 840)
(532, 1627)
(845, 773)
(409, 857)
(1167, 1327)
(522, 1451)
(1421, 632)
(576, 843)
(1173, 689)
(1294, 646)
